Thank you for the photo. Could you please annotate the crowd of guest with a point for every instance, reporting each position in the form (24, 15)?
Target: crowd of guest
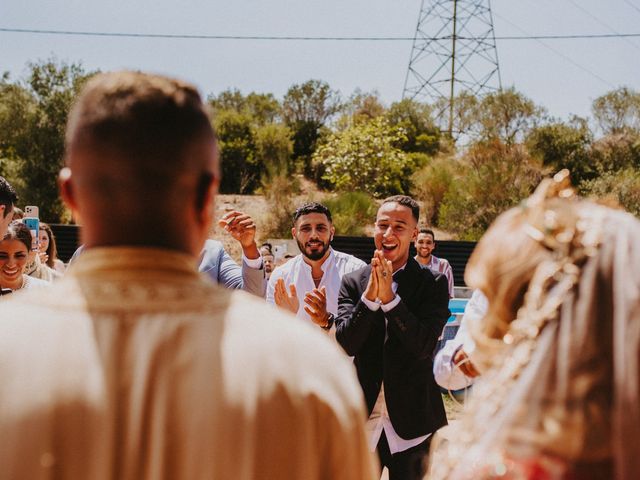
(131, 362)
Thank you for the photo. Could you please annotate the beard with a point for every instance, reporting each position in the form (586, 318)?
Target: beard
(316, 254)
(422, 254)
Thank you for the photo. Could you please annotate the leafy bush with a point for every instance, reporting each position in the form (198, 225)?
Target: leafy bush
(279, 190)
(559, 146)
(363, 158)
(431, 183)
(491, 178)
(622, 186)
(351, 212)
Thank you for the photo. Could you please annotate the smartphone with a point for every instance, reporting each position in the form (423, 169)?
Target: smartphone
(31, 220)
(31, 211)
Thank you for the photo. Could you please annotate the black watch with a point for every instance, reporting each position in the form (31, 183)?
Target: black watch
(329, 324)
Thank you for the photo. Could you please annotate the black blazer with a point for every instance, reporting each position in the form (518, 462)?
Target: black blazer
(405, 361)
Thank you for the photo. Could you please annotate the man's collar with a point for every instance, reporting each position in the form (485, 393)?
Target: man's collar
(134, 258)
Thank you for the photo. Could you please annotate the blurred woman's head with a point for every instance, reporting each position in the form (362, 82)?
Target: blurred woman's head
(14, 252)
(47, 242)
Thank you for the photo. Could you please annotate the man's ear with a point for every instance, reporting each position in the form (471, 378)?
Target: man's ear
(293, 232)
(65, 185)
(333, 232)
(207, 196)
(414, 236)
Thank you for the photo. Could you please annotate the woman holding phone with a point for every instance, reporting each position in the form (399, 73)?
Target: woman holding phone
(14, 254)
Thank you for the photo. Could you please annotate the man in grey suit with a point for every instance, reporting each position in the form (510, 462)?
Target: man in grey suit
(222, 269)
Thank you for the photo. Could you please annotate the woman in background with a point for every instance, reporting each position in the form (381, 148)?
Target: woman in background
(558, 350)
(48, 249)
(15, 247)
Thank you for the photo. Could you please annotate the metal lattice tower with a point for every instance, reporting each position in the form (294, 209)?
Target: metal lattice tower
(454, 50)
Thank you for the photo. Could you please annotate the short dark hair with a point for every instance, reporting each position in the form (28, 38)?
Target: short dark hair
(405, 201)
(19, 231)
(267, 245)
(8, 196)
(311, 207)
(428, 231)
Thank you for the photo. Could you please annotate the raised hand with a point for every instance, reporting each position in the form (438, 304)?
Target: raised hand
(287, 300)
(384, 275)
(463, 362)
(316, 306)
(371, 292)
(241, 227)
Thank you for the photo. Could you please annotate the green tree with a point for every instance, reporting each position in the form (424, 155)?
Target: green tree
(431, 184)
(491, 177)
(351, 212)
(34, 114)
(559, 145)
(360, 107)
(617, 111)
(241, 172)
(263, 108)
(420, 131)
(616, 152)
(507, 116)
(273, 149)
(364, 158)
(622, 186)
(305, 109)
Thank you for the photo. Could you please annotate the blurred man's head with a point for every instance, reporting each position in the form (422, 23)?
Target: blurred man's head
(141, 163)
(313, 230)
(8, 199)
(269, 263)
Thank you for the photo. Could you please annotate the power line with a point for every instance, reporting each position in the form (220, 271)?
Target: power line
(604, 24)
(301, 38)
(632, 5)
(560, 54)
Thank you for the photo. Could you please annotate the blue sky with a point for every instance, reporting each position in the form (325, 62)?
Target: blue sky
(544, 73)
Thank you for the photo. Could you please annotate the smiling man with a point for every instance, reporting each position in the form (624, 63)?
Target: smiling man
(308, 284)
(390, 315)
(425, 244)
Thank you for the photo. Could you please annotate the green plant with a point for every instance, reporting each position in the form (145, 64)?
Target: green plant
(351, 212)
(431, 183)
(363, 158)
(490, 178)
(622, 186)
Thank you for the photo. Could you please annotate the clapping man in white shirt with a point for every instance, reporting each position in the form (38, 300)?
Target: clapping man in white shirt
(309, 283)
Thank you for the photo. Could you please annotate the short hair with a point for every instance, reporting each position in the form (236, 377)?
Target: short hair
(267, 245)
(145, 123)
(19, 231)
(311, 207)
(428, 231)
(8, 196)
(405, 201)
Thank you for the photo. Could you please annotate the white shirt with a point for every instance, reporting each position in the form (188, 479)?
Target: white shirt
(296, 271)
(445, 373)
(379, 419)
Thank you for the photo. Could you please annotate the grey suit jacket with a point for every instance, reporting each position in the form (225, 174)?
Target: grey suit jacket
(222, 269)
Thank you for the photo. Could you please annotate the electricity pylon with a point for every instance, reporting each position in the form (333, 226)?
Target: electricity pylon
(454, 51)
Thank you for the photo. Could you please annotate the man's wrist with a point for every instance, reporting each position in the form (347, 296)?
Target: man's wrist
(251, 250)
(329, 322)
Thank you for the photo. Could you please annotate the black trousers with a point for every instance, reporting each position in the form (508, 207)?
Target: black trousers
(408, 465)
